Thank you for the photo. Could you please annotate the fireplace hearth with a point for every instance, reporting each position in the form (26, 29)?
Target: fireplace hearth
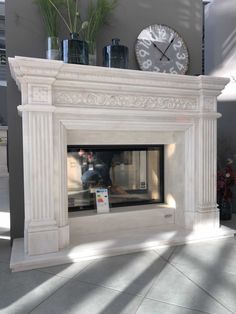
(66, 105)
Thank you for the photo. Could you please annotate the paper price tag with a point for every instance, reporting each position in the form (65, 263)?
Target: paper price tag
(102, 201)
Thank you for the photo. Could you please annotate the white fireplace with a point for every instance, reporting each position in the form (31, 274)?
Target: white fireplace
(66, 104)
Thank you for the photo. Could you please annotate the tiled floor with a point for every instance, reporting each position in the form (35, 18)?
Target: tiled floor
(189, 279)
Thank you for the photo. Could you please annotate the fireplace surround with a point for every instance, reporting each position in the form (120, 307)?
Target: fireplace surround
(65, 104)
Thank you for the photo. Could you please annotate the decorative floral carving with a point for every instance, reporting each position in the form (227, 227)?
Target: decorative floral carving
(208, 104)
(40, 94)
(125, 102)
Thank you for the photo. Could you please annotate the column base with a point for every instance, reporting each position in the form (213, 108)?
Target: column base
(41, 239)
(207, 219)
(64, 236)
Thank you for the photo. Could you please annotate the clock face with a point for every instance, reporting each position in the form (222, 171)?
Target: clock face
(160, 48)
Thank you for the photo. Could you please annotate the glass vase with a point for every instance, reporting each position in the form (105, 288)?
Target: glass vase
(115, 55)
(92, 53)
(75, 50)
(53, 48)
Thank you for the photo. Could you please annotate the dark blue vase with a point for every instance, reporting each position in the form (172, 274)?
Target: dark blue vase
(115, 55)
(75, 50)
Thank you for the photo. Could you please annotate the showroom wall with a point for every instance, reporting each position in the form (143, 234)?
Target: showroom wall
(3, 90)
(25, 36)
(220, 57)
(3, 106)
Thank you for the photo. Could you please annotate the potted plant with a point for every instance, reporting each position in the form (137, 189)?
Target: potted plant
(50, 18)
(74, 50)
(97, 14)
(82, 32)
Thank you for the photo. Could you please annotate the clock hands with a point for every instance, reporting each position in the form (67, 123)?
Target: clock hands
(163, 53)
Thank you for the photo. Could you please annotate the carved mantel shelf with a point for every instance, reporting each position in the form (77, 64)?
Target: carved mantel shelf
(63, 102)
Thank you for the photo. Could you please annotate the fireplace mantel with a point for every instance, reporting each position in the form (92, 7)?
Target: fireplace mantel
(65, 103)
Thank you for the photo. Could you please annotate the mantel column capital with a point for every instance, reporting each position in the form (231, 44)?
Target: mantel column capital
(36, 97)
(35, 78)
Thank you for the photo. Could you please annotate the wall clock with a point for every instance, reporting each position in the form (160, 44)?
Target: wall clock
(160, 48)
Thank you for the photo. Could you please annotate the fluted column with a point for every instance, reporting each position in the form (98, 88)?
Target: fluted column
(42, 223)
(41, 230)
(207, 161)
(207, 213)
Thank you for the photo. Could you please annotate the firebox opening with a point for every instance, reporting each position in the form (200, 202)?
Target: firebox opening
(133, 175)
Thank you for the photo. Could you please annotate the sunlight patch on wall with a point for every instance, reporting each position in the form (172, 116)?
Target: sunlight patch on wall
(170, 200)
(171, 150)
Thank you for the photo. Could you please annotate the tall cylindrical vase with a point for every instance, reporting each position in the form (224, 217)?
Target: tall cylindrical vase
(75, 50)
(92, 53)
(53, 48)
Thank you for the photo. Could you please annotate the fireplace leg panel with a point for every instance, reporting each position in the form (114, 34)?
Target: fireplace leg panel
(42, 242)
(46, 239)
(207, 220)
(64, 236)
(207, 214)
(41, 226)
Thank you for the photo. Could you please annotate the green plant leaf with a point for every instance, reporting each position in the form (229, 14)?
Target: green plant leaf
(69, 13)
(49, 15)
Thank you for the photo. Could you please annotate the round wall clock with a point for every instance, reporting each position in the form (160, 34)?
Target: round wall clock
(160, 48)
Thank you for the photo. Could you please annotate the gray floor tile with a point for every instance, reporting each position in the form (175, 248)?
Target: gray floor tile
(21, 292)
(220, 255)
(155, 307)
(4, 267)
(77, 297)
(132, 273)
(221, 285)
(67, 270)
(210, 265)
(174, 288)
(166, 252)
(5, 250)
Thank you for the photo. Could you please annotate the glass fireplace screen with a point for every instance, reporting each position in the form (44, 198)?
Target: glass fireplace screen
(132, 175)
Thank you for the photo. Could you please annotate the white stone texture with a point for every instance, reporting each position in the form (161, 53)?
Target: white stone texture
(64, 104)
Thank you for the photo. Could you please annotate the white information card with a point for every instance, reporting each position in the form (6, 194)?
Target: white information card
(102, 201)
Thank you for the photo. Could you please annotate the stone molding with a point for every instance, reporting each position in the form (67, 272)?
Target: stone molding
(92, 86)
(124, 102)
